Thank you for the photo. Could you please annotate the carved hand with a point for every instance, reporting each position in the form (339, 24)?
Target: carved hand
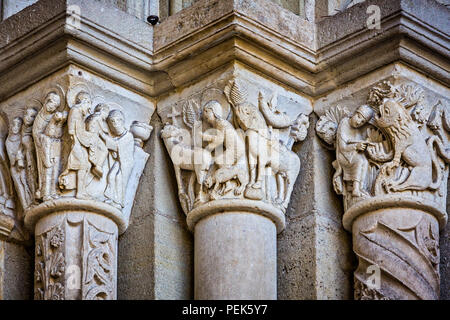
(361, 146)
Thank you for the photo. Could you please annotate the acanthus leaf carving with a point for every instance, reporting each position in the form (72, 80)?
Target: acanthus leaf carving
(99, 258)
(50, 264)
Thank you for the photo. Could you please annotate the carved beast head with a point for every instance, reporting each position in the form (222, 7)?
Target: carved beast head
(171, 131)
(392, 114)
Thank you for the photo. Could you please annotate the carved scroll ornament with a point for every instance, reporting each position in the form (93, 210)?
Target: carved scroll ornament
(69, 154)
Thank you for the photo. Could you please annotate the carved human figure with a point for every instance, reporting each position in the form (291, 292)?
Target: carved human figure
(78, 164)
(231, 162)
(17, 162)
(406, 178)
(351, 162)
(51, 141)
(250, 119)
(96, 123)
(51, 103)
(28, 148)
(121, 146)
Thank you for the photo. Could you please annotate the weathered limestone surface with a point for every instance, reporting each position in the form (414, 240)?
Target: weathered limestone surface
(235, 257)
(74, 145)
(392, 156)
(16, 271)
(315, 259)
(312, 59)
(445, 258)
(230, 175)
(156, 253)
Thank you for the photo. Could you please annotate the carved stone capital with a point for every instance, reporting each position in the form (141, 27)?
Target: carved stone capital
(231, 146)
(72, 159)
(392, 161)
(230, 139)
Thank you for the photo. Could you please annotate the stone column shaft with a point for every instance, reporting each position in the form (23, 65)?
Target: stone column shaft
(235, 257)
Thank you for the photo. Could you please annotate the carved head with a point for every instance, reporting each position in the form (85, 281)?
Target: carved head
(116, 122)
(83, 99)
(211, 111)
(175, 135)
(299, 129)
(30, 115)
(419, 114)
(16, 125)
(435, 120)
(362, 115)
(326, 130)
(52, 102)
(392, 114)
(102, 109)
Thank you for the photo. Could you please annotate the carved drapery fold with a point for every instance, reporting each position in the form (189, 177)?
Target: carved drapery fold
(235, 170)
(71, 164)
(231, 153)
(391, 167)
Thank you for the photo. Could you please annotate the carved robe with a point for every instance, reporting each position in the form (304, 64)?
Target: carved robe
(30, 160)
(122, 158)
(40, 123)
(354, 164)
(18, 173)
(78, 157)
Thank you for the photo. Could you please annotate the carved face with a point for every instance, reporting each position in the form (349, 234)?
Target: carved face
(52, 102)
(16, 125)
(390, 113)
(357, 120)
(84, 100)
(326, 130)
(116, 122)
(211, 111)
(30, 115)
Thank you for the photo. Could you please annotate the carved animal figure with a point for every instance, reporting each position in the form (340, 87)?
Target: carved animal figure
(185, 157)
(231, 162)
(222, 177)
(409, 145)
(262, 150)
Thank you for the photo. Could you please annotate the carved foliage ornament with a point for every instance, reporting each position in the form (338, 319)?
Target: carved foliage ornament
(71, 147)
(70, 144)
(224, 146)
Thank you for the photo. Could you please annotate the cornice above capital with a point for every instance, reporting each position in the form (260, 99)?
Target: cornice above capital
(312, 58)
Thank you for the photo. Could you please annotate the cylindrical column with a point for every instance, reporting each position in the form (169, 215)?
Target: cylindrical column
(397, 246)
(75, 250)
(235, 257)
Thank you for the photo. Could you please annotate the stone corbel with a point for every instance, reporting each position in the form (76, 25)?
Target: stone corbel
(231, 146)
(392, 160)
(74, 156)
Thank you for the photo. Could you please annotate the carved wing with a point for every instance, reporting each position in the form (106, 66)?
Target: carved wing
(273, 116)
(336, 114)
